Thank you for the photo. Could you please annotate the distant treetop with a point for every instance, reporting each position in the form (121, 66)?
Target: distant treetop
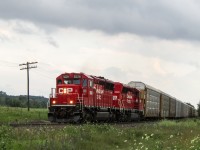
(2, 93)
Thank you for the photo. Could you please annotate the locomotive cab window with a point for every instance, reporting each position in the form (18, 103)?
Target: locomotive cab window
(90, 83)
(125, 90)
(72, 81)
(109, 86)
(59, 81)
(76, 81)
(84, 83)
(67, 81)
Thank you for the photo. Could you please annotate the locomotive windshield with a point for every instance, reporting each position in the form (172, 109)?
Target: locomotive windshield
(84, 83)
(72, 81)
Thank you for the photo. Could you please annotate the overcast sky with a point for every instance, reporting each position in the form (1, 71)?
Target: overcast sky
(157, 42)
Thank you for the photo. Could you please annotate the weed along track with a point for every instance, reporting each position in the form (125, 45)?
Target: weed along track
(164, 134)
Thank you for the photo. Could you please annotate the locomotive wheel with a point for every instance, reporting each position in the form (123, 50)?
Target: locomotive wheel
(86, 117)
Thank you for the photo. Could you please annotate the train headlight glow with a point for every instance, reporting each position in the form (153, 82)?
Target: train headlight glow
(54, 102)
(71, 102)
(64, 90)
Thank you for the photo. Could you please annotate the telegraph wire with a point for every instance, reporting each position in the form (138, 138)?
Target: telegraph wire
(4, 63)
(8, 62)
(42, 74)
(8, 66)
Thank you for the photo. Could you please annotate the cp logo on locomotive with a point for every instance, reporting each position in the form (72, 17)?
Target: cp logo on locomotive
(64, 90)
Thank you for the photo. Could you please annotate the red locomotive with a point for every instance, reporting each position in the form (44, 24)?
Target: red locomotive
(79, 97)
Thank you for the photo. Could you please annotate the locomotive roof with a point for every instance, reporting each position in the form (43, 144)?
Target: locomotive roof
(126, 85)
(102, 79)
(81, 73)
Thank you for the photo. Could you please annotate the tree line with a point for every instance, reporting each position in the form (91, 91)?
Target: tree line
(21, 101)
(198, 108)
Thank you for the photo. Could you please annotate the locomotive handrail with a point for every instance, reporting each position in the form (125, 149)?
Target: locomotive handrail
(123, 107)
(81, 102)
(120, 104)
(53, 93)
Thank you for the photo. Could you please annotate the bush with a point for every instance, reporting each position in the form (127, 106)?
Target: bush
(5, 137)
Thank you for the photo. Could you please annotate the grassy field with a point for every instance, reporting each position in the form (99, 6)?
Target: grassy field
(164, 135)
(16, 114)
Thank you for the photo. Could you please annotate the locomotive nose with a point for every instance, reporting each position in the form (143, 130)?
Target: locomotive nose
(68, 94)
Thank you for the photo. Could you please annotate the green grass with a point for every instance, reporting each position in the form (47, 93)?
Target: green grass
(166, 135)
(16, 114)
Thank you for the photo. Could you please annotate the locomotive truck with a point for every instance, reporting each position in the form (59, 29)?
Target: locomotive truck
(79, 97)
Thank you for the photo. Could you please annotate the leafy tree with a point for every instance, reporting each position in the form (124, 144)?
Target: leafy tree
(21, 101)
(2, 93)
(198, 108)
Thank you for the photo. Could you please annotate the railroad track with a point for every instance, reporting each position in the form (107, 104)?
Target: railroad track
(47, 123)
(33, 124)
(21, 124)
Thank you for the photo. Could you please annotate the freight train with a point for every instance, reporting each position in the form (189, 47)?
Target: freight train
(79, 97)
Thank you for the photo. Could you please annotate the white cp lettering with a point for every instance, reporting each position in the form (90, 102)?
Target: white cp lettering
(64, 90)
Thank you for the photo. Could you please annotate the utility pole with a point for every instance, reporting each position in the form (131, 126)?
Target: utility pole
(27, 68)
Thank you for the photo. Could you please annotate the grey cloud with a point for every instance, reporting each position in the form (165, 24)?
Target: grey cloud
(117, 74)
(3, 37)
(114, 73)
(22, 28)
(164, 19)
(52, 42)
(195, 64)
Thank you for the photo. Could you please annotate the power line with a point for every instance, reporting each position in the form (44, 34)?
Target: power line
(8, 62)
(4, 63)
(8, 66)
(43, 74)
(27, 68)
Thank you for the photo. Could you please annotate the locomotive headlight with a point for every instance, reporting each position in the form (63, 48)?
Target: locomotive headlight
(64, 90)
(54, 102)
(71, 102)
